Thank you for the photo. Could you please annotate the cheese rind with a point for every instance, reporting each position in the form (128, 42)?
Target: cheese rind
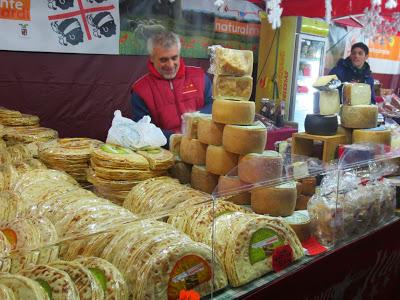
(219, 161)
(257, 168)
(203, 180)
(209, 132)
(233, 188)
(360, 116)
(192, 151)
(275, 201)
(232, 87)
(373, 136)
(233, 112)
(245, 139)
(356, 94)
(300, 223)
(175, 143)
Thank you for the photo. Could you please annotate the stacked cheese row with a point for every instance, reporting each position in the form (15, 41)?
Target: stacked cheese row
(359, 117)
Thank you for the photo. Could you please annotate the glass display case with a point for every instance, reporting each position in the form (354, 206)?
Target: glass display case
(169, 241)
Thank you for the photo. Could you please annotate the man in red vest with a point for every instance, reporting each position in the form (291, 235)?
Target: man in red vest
(170, 88)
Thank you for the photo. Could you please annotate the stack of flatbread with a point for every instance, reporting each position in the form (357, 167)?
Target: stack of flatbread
(10, 117)
(160, 194)
(115, 169)
(143, 248)
(26, 233)
(85, 278)
(236, 234)
(246, 243)
(71, 155)
(29, 135)
(10, 172)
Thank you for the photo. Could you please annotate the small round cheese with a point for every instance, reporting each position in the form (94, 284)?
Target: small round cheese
(233, 112)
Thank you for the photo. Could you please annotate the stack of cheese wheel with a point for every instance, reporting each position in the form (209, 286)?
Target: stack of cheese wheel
(160, 194)
(115, 170)
(71, 155)
(242, 241)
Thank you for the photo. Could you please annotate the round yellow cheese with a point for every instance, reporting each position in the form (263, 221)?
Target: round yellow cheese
(209, 132)
(233, 112)
(275, 201)
(373, 136)
(258, 168)
(219, 161)
(202, 180)
(192, 151)
(234, 188)
(245, 139)
(300, 223)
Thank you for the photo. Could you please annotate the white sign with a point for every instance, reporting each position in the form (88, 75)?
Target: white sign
(74, 26)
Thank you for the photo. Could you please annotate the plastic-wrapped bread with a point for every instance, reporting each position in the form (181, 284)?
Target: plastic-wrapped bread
(232, 87)
(233, 62)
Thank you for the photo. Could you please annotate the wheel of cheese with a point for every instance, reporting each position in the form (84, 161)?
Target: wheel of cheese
(209, 132)
(308, 186)
(245, 139)
(233, 112)
(300, 223)
(233, 188)
(321, 125)
(347, 132)
(378, 135)
(360, 116)
(275, 201)
(302, 201)
(255, 167)
(202, 180)
(219, 161)
(175, 143)
(356, 94)
(192, 151)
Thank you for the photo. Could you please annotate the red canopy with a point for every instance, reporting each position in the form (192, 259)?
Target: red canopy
(340, 8)
(316, 8)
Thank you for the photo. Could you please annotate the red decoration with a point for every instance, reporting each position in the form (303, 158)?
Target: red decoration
(282, 257)
(189, 295)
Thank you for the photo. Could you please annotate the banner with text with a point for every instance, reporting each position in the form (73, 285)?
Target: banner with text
(73, 26)
(235, 24)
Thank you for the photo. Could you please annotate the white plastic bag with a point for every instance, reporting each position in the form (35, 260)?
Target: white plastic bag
(137, 135)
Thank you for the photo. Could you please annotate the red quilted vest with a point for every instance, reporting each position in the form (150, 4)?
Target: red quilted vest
(167, 100)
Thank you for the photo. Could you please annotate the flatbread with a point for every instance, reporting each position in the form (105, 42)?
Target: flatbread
(61, 285)
(21, 120)
(116, 288)
(85, 282)
(159, 159)
(6, 293)
(23, 287)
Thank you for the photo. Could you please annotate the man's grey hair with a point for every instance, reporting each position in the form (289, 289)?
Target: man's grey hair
(163, 39)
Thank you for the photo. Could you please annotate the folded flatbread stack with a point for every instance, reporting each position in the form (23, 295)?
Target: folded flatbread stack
(10, 206)
(23, 287)
(19, 152)
(21, 120)
(115, 170)
(29, 135)
(110, 278)
(158, 194)
(56, 282)
(246, 244)
(87, 285)
(71, 155)
(9, 113)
